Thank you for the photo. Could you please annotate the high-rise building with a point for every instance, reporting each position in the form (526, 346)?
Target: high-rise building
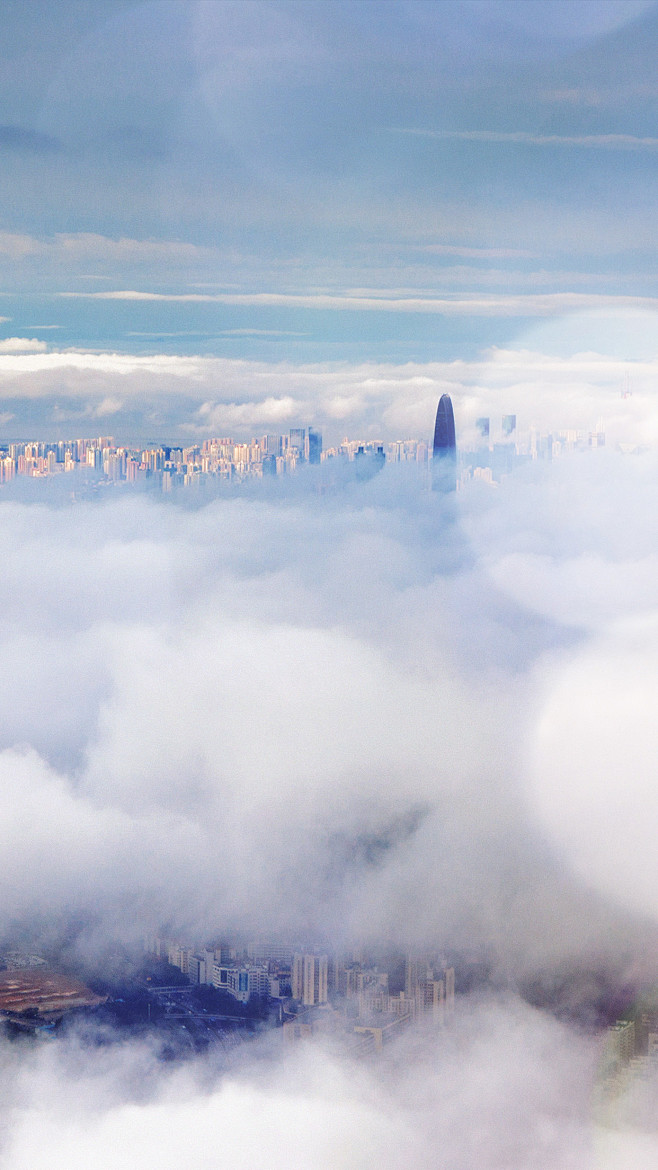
(266, 950)
(620, 1046)
(309, 979)
(444, 461)
(271, 445)
(313, 446)
(430, 1000)
(297, 441)
(450, 991)
(241, 980)
(509, 424)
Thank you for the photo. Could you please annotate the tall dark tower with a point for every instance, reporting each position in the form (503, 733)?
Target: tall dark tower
(444, 461)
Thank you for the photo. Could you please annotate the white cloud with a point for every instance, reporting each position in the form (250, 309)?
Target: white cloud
(227, 416)
(67, 247)
(597, 796)
(475, 253)
(108, 406)
(17, 246)
(175, 756)
(22, 345)
(550, 390)
(296, 713)
(315, 1107)
(261, 333)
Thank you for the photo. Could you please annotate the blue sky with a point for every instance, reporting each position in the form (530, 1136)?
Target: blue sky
(308, 182)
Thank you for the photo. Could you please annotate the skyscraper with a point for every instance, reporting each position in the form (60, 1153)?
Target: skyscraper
(313, 446)
(444, 462)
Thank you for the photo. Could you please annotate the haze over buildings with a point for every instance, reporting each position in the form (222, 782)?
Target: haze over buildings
(102, 462)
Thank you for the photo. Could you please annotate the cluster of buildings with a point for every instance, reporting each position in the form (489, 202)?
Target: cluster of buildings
(493, 451)
(224, 459)
(489, 452)
(166, 467)
(345, 995)
(217, 458)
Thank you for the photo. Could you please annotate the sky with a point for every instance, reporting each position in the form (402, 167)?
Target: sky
(310, 184)
(368, 716)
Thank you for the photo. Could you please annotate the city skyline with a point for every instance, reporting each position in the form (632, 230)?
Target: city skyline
(441, 463)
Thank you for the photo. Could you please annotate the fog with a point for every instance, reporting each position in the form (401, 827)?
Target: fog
(367, 717)
(510, 1087)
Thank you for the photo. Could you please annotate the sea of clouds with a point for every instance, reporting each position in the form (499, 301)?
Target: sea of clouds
(364, 716)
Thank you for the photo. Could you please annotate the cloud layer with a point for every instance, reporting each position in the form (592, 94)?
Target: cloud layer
(306, 710)
(313, 1108)
(363, 717)
(570, 373)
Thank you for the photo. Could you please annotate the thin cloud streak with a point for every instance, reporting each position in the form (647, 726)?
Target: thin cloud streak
(523, 305)
(475, 253)
(526, 138)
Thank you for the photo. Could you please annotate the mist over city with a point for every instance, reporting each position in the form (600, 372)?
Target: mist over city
(328, 584)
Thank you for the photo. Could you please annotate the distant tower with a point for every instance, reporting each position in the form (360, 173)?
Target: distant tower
(444, 462)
